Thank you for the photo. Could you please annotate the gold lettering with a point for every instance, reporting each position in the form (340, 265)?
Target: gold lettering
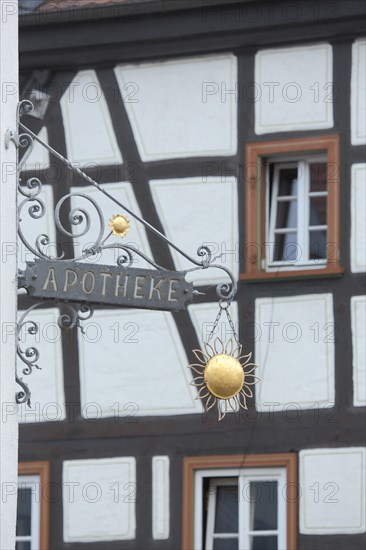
(138, 286)
(88, 290)
(121, 286)
(104, 276)
(51, 279)
(69, 282)
(155, 288)
(172, 290)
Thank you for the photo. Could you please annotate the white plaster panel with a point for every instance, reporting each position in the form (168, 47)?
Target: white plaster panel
(182, 108)
(32, 228)
(47, 384)
(358, 93)
(332, 484)
(132, 363)
(358, 219)
(136, 237)
(90, 138)
(160, 497)
(358, 322)
(99, 498)
(294, 89)
(294, 350)
(39, 159)
(195, 212)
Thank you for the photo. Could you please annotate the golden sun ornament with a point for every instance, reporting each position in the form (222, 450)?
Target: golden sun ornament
(224, 376)
(119, 225)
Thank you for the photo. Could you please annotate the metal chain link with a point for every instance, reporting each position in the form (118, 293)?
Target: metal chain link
(215, 325)
(236, 337)
(224, 306)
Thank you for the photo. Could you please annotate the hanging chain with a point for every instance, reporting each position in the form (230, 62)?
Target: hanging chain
(231, 323)
(215, 325)
(224, 306)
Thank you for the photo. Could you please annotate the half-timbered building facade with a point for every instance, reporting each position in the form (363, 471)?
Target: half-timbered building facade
(241, 127)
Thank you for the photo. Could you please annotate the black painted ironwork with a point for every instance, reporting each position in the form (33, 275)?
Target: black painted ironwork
(62, 280)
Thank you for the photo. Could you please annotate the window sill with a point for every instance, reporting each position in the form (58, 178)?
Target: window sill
(262, 276)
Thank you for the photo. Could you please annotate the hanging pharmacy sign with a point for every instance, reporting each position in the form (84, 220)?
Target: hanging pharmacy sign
(78, 283)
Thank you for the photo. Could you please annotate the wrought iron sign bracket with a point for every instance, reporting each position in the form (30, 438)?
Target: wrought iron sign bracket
(78, 285)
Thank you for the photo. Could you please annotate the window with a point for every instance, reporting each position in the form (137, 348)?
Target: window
(297, 212)
(240, 502)
(292, 208)
(27, 533)
(33, 509)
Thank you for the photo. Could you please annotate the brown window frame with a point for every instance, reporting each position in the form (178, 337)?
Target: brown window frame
(41, 469)
(255, 211)
(192, 464)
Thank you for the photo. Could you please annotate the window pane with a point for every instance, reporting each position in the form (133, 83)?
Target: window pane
(287, 181)
(286, 248)
(263, 505)
(226, 520)
(286, 214)
(318, 245)
(263, 543)
(226, 544)
(318, 176)
(318, 210)
(23, 545)
(24, 512)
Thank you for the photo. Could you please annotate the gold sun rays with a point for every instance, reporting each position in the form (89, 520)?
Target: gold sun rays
(119, 225)
(224, 376)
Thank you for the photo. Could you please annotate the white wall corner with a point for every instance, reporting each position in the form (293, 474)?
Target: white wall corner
(8, 186)
(160, 497)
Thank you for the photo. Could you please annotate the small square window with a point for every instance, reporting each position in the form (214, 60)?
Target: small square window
(292, 208)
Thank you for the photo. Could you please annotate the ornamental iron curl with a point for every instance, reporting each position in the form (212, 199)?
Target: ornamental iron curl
(80, 222)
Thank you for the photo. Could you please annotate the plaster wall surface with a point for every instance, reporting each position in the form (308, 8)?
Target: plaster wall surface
(290, 99)
(358, 323)
(89, 133)
(332, 483)
(182, 108)
(358, 93)
(200, 211)
(99, 499)
(132, 363)
(294, 349)
(358, 220)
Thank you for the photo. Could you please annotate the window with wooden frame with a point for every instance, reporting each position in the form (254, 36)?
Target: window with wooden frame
(33, 506)
(292, 208)
(240, 502)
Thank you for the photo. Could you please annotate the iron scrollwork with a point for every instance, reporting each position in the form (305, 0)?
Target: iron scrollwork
(79, 217)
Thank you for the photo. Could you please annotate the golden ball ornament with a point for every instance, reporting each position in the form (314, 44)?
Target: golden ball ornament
(119, 225)
(224, 376)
